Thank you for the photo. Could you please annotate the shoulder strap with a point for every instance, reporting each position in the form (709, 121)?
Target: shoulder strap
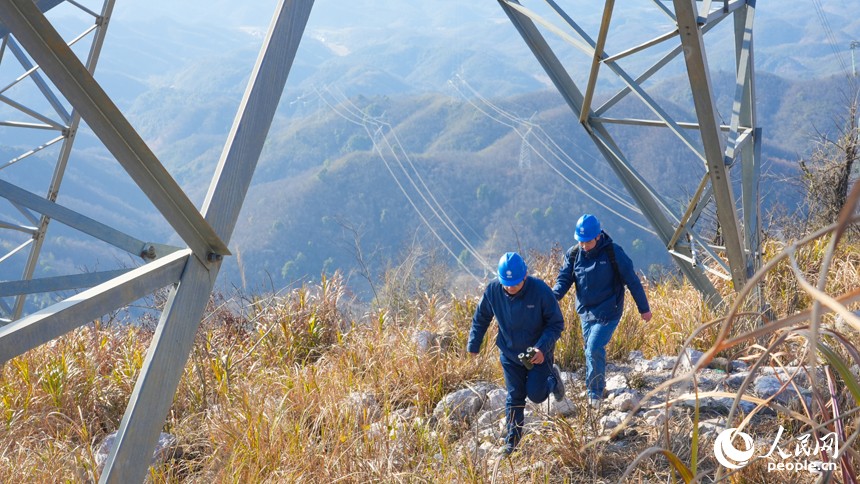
(610, 251)
(571, 258)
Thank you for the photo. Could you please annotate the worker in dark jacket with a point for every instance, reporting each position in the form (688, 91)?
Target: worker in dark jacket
(528, 315)
(600, 270)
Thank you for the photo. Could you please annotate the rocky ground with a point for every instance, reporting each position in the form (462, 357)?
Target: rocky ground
(481, 406)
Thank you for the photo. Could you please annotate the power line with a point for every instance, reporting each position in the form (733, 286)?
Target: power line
(828, 32)
(446, 220)
(516, 124)
(564, 158)
(375, 131)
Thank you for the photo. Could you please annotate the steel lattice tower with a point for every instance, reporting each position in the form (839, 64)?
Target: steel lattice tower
(718, 148)
(70, 94)
(190, 272)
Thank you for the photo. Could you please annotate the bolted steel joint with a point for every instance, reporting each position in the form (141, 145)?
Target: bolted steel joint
(213, 257)
(148, 252)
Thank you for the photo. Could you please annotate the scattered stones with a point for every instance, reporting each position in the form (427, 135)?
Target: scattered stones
(425, 341)
(616, 382)
(735, 381)
(482, 405)
(689, 359)
(496, 399)
(767, 386)
(612, 420)
(849, 326)
(655, 417)
(711, 427)
(660, 363)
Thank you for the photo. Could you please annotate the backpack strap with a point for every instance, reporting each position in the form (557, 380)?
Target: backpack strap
(571, 258)
(610, 251)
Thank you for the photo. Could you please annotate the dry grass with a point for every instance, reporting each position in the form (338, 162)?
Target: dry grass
(288, 388)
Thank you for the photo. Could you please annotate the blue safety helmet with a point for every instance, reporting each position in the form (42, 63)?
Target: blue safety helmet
(587, 228)
(512, 269)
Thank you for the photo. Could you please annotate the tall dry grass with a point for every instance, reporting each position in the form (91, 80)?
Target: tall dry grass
(290, 387)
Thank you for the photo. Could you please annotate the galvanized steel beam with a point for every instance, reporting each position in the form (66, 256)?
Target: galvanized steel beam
(744, 114)
(57, 60)
(42, 5)
(174, 337)
(102, 20)
(59, 283)
(714, 147)
(71, 218)
(192, 271)
(38, 328)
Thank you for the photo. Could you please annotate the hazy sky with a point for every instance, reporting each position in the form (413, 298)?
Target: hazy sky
(778, 23)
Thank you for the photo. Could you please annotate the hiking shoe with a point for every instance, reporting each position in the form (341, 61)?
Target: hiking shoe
(558, 391)
(594, 402)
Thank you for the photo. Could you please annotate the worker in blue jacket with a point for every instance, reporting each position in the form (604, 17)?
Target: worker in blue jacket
(600, 270)
(528, 315)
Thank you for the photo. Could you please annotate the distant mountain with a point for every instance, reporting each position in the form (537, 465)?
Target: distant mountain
(475, 168)
(178, 70)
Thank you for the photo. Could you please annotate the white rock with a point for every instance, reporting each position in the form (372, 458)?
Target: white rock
(425, 341)
(735, 380)
(616, 382)
(660, 363)
(655, 418)
(635, 356)
(489, 418)
(362, 404)
(767, 386)
(612, 420)
(711, 427)
(564, 408)
(458, 406)
(849, 327)
(689, 359)
(166, 442)
(496, 399)
(624, 402)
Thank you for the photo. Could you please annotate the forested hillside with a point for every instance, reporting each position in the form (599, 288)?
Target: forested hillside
(334, 194)
(323, 198)
(412, 80)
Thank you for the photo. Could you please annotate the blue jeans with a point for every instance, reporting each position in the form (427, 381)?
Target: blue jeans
(536, 384)
(596, 335)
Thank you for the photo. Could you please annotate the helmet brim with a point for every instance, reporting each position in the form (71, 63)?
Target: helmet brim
(583, 239)
(511, 283)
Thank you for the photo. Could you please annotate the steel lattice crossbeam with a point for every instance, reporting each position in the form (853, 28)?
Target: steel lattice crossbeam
(717, 147)
(190, 272)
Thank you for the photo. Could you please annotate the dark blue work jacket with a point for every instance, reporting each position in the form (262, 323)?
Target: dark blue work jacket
(531, 317)
(599, 291)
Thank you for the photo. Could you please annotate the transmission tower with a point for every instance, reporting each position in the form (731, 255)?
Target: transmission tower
(584, 59)
(854, 45)
(63, 78)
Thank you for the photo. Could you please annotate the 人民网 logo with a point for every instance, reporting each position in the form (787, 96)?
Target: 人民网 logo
(805, 457)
